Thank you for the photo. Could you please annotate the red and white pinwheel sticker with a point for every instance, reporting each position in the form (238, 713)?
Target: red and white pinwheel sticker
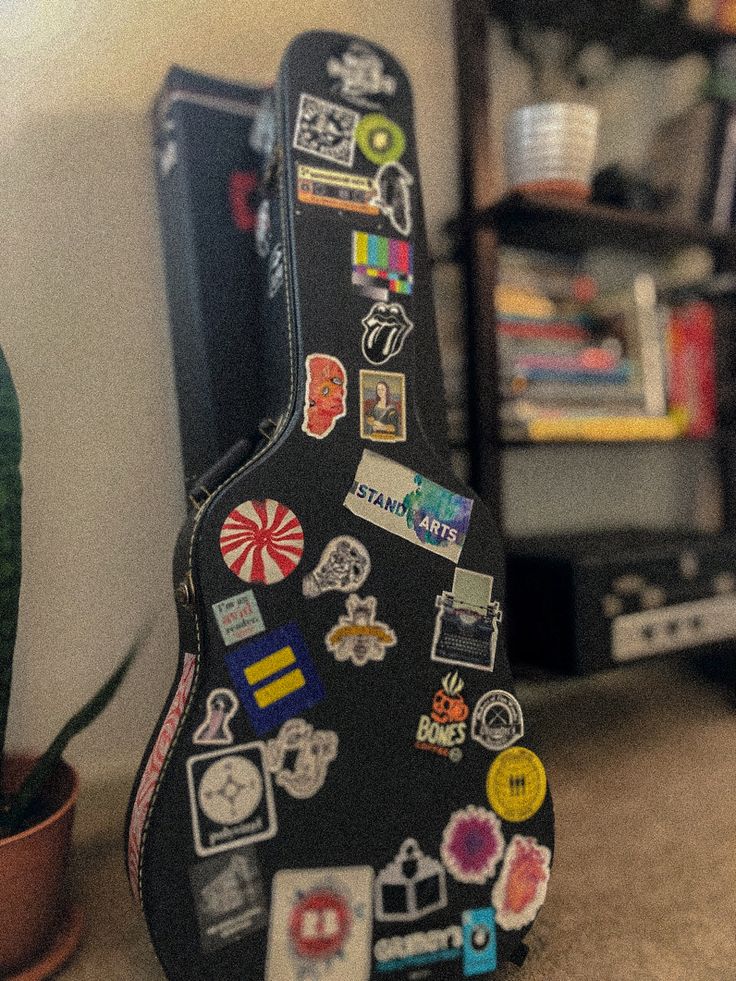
(262, 541)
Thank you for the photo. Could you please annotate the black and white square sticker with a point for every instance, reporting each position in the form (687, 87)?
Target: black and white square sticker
(231, 798)
(326, 130)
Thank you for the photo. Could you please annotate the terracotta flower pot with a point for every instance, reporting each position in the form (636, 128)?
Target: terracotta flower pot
(32, 868)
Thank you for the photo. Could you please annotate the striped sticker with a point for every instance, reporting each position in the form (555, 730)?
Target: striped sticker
(274, 677)
(262, 541)
(382, 266)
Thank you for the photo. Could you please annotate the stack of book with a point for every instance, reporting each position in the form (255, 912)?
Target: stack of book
(577, 366)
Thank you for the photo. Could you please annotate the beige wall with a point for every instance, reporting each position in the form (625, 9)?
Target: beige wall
(84, 320)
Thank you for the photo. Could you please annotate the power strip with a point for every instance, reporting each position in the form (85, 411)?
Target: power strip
(671, 628)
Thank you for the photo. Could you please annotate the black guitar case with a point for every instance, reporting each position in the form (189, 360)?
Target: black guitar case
(342, 786)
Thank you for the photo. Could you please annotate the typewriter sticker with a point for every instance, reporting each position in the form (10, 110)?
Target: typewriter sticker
(325, 130)
(321, 925)
(466, 626)
(411, 886)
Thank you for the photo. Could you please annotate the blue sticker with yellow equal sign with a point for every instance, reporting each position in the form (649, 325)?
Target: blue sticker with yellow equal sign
(274, 677)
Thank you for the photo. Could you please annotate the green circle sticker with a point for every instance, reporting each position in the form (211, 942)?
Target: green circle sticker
(379, 138)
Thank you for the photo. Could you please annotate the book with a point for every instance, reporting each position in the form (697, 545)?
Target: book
(692, 369)
(605, 429)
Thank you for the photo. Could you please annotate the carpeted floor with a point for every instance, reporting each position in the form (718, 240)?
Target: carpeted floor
(642, 764)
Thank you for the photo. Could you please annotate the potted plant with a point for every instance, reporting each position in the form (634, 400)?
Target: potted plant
(37, 795)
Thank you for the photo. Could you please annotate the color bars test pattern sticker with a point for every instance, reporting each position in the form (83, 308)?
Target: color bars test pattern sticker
(401, 501)
(382, 266)
(275, 677)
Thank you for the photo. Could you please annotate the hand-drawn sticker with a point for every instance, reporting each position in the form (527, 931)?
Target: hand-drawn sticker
(393, 196)
(443, 731)
(262, 541)
(325, 130)
(382, 266)
(516, 784)
(335, 189)
(472, 845)
(383, 406)
(380, 139)
(385, 328)
(479, 941)
(231, 798)
(309, 752)
(343, 567)
(325, 395)
(229, 898)
(521, 888)
(466, 626)
(215, 730)
(275, 270)
(359, 637)
(238, 617)
(321, 925)
(497, 720)
(401, 501)
(412, 885)
(360, 76)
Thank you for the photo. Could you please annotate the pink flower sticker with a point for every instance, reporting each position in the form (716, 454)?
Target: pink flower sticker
(472, 845)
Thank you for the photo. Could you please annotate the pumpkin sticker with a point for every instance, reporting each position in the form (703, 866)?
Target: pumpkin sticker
(444, 730)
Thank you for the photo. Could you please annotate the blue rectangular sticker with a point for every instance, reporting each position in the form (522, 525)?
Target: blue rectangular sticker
(479, 941)
(274, 677)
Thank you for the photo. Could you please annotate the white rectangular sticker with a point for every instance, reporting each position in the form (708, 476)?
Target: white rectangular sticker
(238, 617)
(409, 505)
(321, 924)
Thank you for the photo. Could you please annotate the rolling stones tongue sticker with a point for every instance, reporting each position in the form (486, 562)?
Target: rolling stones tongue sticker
(262, 541)
(325, 396)
(385, 328)
(522, 886)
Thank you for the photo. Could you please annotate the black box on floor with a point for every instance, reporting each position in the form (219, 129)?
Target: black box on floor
(580, 603)
(208, 177)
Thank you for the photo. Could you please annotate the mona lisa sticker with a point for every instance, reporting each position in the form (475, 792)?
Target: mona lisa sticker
(325, 397)
(383, 406)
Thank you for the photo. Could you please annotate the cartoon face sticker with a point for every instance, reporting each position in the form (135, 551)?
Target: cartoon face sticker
(326, 394)
(309, 753)
(215, 730)
(385, 328)
(343, 567)
(448, 704)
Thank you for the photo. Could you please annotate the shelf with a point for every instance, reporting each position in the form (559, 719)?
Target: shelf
(560, 224)
(629, 27)
(520, 442)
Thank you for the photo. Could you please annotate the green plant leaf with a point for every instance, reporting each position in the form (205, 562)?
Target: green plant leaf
(19, 805)
(10, 536)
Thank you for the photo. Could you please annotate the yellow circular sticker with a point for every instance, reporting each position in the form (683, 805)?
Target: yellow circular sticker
(516, 784)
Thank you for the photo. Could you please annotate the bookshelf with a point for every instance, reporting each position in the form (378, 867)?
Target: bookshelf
(553, 224)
